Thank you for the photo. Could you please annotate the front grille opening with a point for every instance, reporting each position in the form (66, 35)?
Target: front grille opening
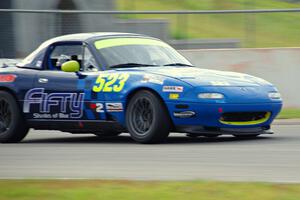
(243, 116)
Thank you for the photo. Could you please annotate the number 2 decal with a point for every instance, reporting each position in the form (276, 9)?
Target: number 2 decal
(110, 82)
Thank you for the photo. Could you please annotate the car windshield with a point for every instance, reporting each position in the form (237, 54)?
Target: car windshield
(136, 52)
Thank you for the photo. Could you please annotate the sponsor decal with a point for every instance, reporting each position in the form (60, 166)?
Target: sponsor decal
(173, 96)
(219, 83)
(53, 105)
(184, 114)
(114, 107)
(153, 79)
(172, 89)
(98, 107)
(39, 63)
(110, 82)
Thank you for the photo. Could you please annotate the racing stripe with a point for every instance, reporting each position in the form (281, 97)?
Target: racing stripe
(101, 44)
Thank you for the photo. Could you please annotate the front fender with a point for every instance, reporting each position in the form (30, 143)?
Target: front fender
(168, 89)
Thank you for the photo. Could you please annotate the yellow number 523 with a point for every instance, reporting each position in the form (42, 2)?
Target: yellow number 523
(110, 82)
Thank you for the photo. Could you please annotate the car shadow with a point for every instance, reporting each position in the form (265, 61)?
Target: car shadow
(125, 139)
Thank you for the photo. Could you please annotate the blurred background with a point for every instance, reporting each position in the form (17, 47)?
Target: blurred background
(261, 44)
(23, 32)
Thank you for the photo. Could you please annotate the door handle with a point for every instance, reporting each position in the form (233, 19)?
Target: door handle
(43, 80)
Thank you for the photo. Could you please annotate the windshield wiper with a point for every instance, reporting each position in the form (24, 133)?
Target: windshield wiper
(178, 64)
(127, 65)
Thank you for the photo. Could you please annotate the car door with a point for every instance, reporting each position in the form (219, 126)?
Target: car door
(63, 95)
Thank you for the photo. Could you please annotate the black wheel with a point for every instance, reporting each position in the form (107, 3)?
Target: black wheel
(13, 127)
(246, 136)
(147, 119)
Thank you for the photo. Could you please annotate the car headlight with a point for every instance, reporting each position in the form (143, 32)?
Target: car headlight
(274, 95)
(210, 96)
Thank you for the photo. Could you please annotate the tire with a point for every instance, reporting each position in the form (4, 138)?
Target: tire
(246, 136)
(13, 127)
(147, 119)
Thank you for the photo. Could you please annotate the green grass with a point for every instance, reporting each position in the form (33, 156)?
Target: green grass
(145, 190)
(255, 30)
(289, 113)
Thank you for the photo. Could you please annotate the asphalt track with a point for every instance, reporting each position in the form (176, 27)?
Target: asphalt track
(52, 154)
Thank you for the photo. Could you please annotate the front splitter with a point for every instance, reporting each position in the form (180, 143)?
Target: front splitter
(201, 130)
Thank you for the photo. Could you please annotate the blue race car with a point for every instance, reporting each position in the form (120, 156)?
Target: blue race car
(109, 83)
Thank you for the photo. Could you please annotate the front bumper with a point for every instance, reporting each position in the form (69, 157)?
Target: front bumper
(209, 115)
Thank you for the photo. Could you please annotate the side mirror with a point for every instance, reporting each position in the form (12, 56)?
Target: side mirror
(70, 66)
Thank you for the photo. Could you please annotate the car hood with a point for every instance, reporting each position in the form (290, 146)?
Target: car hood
(204, 77)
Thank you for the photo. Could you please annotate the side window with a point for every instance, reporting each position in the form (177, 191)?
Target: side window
(63, 53)
(89, 62)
